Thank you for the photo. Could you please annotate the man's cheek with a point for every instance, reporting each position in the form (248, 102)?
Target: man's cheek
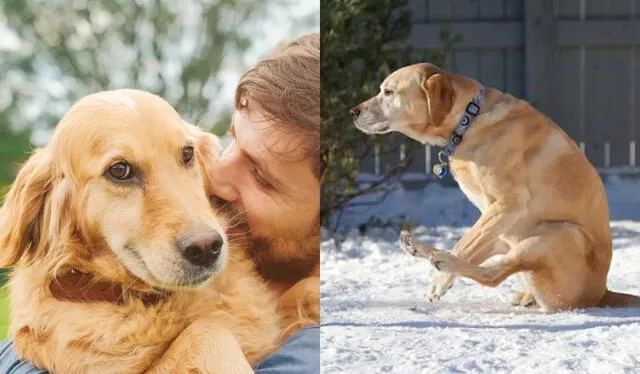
(266, 213)
(254, 208)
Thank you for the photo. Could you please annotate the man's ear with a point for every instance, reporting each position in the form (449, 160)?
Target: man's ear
(439, 94)
(21, 215)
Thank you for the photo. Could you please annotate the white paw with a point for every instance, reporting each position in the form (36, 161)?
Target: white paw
(524, 299)
(440, 286)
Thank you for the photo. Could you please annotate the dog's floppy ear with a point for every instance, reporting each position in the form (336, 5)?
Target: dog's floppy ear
(21, 215)
(34, 210)
(439, 93)
(207, 148)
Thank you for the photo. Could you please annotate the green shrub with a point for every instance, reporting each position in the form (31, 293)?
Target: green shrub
(360, 47)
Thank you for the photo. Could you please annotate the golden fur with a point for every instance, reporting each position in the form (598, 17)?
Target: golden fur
(299, 305)
(543, 204)
(62, 213)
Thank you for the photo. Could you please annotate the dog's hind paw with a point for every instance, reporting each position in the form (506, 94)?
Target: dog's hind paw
(524, 299)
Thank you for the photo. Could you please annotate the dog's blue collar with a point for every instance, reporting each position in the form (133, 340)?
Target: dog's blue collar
(470, 112)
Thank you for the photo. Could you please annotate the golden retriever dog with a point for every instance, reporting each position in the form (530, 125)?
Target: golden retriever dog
(543, 204)
(120, 265)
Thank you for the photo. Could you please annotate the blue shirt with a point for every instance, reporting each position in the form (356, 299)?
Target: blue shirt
(298, 355)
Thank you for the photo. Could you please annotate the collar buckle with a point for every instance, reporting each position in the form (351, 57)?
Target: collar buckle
(472, 108)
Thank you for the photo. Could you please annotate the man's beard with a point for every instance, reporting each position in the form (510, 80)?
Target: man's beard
(284, 257)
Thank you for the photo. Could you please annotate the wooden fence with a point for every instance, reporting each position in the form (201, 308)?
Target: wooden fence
(577, 61)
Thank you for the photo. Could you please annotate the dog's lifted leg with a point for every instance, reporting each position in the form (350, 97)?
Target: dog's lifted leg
(441, 260)
(446, 262)
(421, 250)
(437, 259)
(490, 276)
(479, 243)
(538, 253)
(413, 248)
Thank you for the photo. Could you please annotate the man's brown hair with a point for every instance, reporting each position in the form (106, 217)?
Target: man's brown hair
(286, 86)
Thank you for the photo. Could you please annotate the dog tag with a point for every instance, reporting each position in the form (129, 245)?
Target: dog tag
(440, 170)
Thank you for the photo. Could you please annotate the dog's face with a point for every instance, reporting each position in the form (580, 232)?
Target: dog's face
(412, 100)
(124, 175)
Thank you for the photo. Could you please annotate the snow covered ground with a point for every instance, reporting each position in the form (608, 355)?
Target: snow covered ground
(376, 319)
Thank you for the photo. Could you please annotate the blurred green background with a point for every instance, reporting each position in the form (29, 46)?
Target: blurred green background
(190, 52)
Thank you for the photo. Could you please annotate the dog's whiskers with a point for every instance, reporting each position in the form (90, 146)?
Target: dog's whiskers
(238, 215)
(236, 234)
(239, 236)
(240, 240)
(126, 289)
(222, 207)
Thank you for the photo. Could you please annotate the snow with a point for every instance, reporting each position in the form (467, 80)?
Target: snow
(376, 319)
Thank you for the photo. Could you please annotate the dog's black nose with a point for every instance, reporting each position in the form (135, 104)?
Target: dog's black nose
(203, 250)
(354, 112)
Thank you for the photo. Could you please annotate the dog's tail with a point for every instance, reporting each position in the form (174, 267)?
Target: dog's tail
(620, 300)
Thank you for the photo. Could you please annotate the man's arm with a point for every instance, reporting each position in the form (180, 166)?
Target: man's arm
(11, 364)
(298, 355)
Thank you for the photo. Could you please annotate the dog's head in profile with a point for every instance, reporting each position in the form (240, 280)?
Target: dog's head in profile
(119, 192)
(414, 100)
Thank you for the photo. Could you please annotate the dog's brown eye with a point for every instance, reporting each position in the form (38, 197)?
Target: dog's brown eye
(387, 92)
(187, 155)
(120, 171)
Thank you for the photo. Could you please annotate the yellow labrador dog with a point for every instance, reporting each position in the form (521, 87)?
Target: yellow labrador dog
(543, 204)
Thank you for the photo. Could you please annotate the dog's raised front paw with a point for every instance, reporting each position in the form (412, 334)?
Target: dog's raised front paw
(440, 286)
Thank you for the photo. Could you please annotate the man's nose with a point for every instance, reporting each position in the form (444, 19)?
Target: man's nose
(222, 180)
